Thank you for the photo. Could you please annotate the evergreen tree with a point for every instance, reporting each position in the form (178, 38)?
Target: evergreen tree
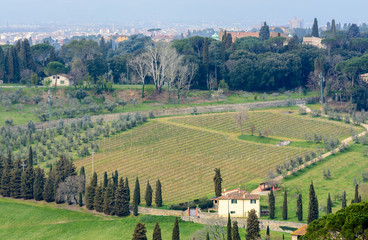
(253, 229)
(105, 180)
(205, 56)
(235, 231)
(28, 176)
(356, 195)
(98, 202)
(25, 55)
(228, 41)
(91, 191)
(315, 32)
(158, 197)
(82, 173)
(217, 181)
(271, 204)
(148, 195)
(264, 32)
(207, 236)
(121, 203)
(268, 236)
(353, 31)
(108, 207)
(116, 179)
(48, 192)
(313, 205)
(63, 169)
(12, 66)
(175, 233)
(299, 207)
(38, 184)
(343, 203)
(157, 232)
(15, 181)
(285, 207)
(329, 204)
(333, 28)
(139, 232)
(228, 227)
(136, 197)
(137, 191)
(52, 55)
(2, 67)
(5, 178)
(127, 188)
(80, 199)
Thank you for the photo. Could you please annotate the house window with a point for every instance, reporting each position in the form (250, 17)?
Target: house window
(58, 77)
(253, 201)
(232, 212)
(234, 201)
(61, 82)
(53, 77)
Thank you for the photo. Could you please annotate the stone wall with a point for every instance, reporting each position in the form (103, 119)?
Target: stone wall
(162, 212)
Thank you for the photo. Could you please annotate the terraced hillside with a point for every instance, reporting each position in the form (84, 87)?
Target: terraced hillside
(183, 155)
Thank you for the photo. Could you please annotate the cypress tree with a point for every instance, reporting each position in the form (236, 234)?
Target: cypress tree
(333, 28)
(148, 195)
(235, 231)
(313, 205)
(108, 207)
(48, 192)
(52, 55)
(98, 201)
(264, 32)
(137, 191)
(217, 181)
(139, 232)
(315, 28)
(207, 236)
(38, 184)
(28, 177)
(329, 204)
(82, 173)
(2, 70)
(299, 207)
(268, 233)
(158, 197)
(5, 178)
(121, 202)
(12, 65)
(228, 227)
(116, 179)
(271, 204)
(157, 232)
(127, 188)
(15, 182)
(175, 233)
(91, 190)
(343, 203)
(25, 55)
(253, 229)
(285, 207)
(80, 199)
(205, 56)
(356, 195)
(105, 180)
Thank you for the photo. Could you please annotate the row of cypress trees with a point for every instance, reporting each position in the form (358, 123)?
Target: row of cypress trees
(112, 196)
(22, 180)
(252, 231)
(140, 232)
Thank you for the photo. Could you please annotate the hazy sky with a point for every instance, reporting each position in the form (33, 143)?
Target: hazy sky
(187, 11)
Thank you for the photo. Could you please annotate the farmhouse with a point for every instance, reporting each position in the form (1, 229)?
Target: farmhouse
(236, 202)
(59, 80)
(299, 232)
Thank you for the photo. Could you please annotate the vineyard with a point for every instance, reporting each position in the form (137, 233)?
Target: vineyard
(183, 151)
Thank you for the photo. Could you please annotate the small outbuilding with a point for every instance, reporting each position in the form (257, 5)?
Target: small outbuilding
(299, 232)
(59, 80)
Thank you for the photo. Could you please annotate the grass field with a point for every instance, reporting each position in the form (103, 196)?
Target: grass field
(344, 168)
(38, 220)
(183, 155)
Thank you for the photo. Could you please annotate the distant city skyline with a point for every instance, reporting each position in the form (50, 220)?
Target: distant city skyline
(212, 12)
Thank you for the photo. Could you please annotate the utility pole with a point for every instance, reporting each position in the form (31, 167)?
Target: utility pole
(50, 104)
(23, 165)
(321, 83)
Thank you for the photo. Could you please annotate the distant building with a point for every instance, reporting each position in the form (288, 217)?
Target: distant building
(299, 232)
(314, 41)
(364, 77)
(215, 36)
(237, 202)
(59, 80)
(296, 23)
(236, 35)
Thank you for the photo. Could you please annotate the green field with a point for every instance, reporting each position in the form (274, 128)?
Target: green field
(344, 168)
(183, 155)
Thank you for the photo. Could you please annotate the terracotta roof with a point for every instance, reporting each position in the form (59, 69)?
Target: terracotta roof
(236, 194)
(300, 231)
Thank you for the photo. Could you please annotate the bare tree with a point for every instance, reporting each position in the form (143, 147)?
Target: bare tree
(139, 65)
(240, 117)
(173, 69)
(70, 189)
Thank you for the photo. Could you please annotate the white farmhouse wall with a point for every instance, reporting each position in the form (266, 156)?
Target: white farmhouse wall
(238, 209)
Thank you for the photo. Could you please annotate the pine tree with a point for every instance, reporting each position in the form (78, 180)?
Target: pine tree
(82, 173)
(253, 229)
(157, 232)
(15, 181)
(228, 227)
(38, 184)
(353, 31)
(105, 180)
(98, 201)
(28, 176)
(299, 207)
(356, 195)
(271, 204)
(139, 232)
(343, 203)
(333, 28)
(217, 181)
(268, 236)
(285, 207)
(329, 204)
(108, 207)
(235, 231)
(175, 233)
(91, 190)
(5, 178)
(264, 32)
(121, 203)
(48, 192)
(158, 197)
(127, 188)
(313, 205)
(315, 32)
(80, 199)
(148, 195)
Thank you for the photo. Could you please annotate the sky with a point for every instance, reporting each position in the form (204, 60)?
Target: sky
(185, 11)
